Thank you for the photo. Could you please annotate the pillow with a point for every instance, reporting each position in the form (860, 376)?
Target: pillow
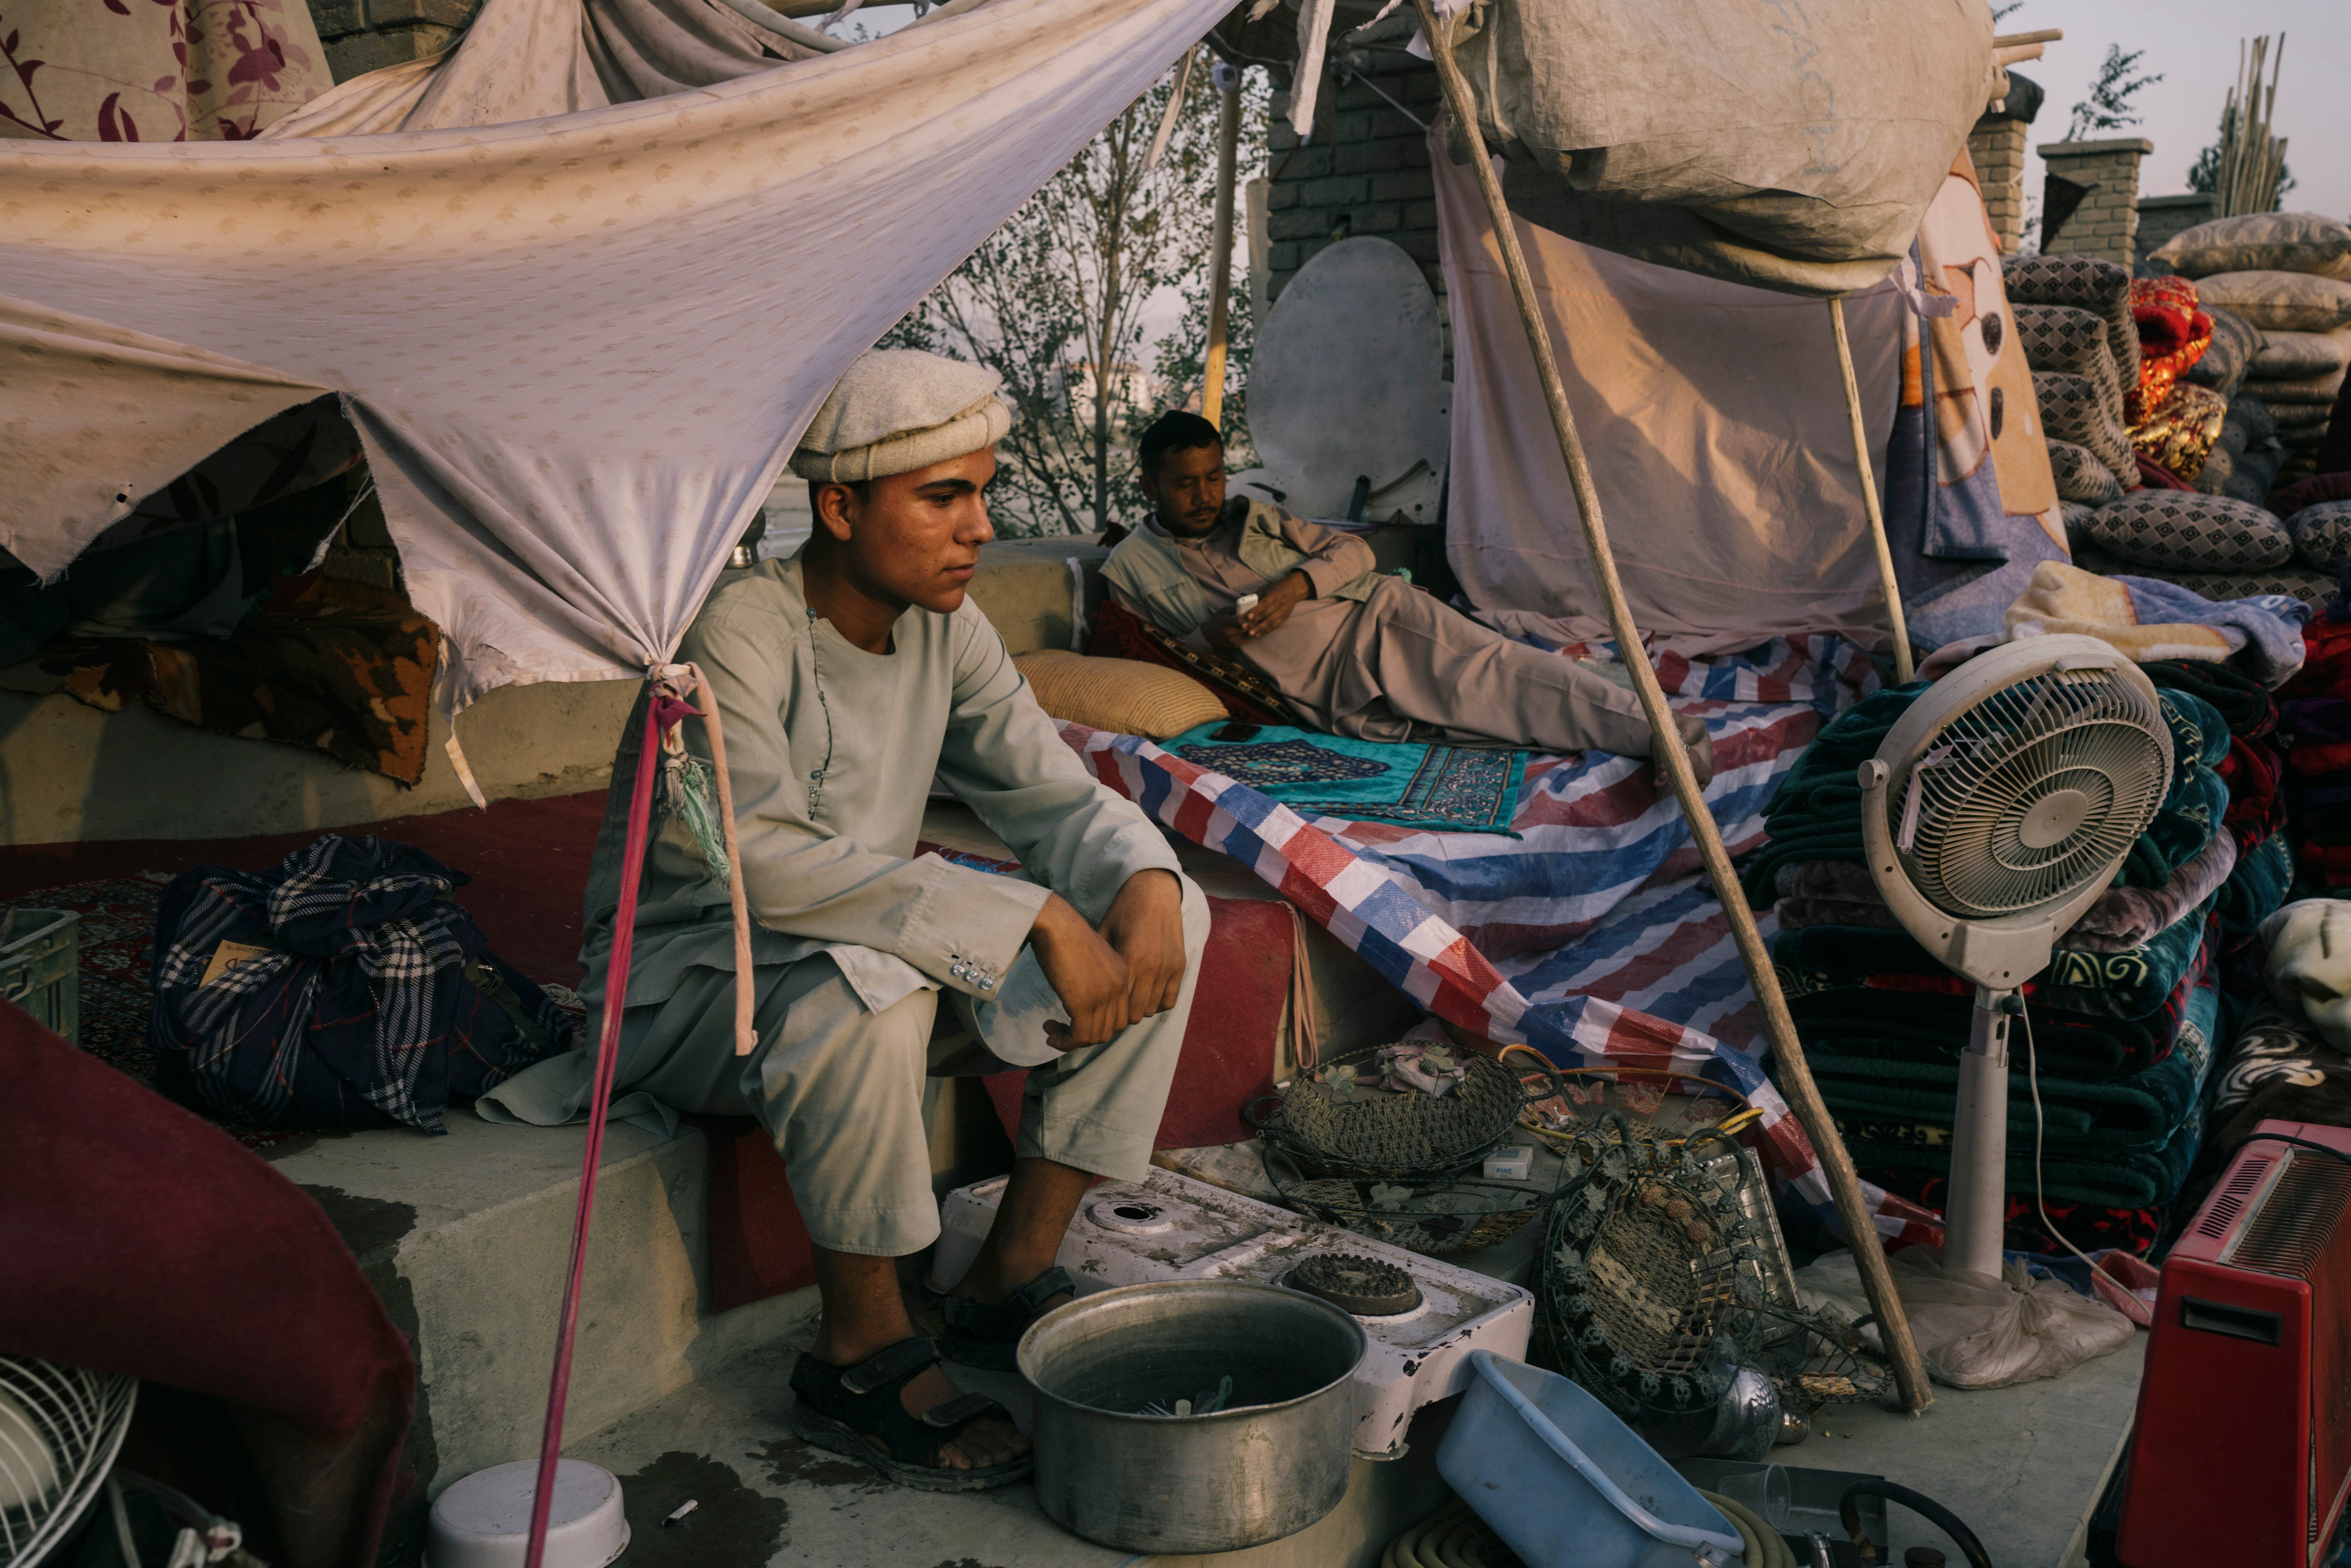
(2281, 301)
(2294, 580)
(2260, 242)
(2099, 287)
(2192, 532)
(2081, 478)
(1124, 697)
(2287, 356)
(2322, 533)
(2235, 342)
(2066, 339)
(2077, 409)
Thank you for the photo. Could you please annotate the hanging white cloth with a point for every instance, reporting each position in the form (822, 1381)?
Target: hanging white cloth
(579, 349)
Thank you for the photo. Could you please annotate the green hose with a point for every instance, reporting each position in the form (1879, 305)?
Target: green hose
(1453, 1537)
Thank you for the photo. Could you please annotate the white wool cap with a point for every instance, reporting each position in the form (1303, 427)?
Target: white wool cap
(898, 410)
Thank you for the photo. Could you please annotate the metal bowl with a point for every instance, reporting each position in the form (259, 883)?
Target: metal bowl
(1243, 1476)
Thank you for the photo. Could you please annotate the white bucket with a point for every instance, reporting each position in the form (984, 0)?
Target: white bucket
(484, 1520)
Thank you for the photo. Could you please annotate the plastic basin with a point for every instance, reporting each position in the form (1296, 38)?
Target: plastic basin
(1567, 1483)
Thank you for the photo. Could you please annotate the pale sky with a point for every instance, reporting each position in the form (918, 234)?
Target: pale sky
(2193, 44)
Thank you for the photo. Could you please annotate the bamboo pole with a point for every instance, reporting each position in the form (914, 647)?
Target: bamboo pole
(1796, 1078)
(1220, 247)
(1903, 673)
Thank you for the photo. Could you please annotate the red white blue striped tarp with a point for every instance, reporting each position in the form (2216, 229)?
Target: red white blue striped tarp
(1591, 936)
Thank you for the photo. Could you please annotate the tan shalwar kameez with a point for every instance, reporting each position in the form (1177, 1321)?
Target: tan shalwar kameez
(854, 935)
(1401, 665)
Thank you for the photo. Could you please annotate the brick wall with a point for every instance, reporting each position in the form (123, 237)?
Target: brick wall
(2160, 218)
(2105, 223)
(1365, 173)
(363, 36)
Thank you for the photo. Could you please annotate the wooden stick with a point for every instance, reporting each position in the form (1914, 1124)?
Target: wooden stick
(2038, 35)
(1796, 1078)
(1220, 253)
(1903, 672)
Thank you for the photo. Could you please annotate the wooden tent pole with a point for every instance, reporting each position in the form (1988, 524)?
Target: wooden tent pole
(1220, 252)
(1795, 1076)
(1903, 670)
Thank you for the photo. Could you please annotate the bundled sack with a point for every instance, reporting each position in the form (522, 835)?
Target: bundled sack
(1124, 697)
(2290, 356)
(2235, 342)
(341, 989)
(2260, 242)
(1971, 1332)
(2195, 532)
(2281, 301)
(1788, 148)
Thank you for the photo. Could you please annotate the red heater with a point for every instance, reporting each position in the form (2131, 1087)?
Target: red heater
(2242, 1453)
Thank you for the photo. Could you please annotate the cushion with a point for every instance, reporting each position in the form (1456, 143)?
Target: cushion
(2256, 471)
(2281, 301)
(2285, 503)
(2066, 339)
(2307, 389)
(2288, 356)
(2098, 287)
(2235, 342)
(2178, 435)
(2077, 409)
(2301, 416)
(2193, 532)
(2294, 579)
(2173, 334)
(2081, 478)
(2260, 242)
(2322, 533)
(1124, 697)
(1120, 633)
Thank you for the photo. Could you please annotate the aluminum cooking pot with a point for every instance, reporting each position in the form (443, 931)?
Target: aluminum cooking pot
(1267, 1466)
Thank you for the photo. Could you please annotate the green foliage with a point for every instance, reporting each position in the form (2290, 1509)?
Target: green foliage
(2108, 107)
(1067, 284)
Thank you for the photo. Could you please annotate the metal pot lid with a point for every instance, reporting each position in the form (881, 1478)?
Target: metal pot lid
(1366, 1286)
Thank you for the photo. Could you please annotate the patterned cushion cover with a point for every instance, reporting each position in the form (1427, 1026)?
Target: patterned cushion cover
(2322, 535)
(2309, 388)
(2307, 583)
(2081, 478)
(2067, 339)
(2192, 532)
(2096, 286)
(2077, 409)
(2292, 356)
(2281, 301)
(2179, 435)
(2235, 342)
(2278, 242)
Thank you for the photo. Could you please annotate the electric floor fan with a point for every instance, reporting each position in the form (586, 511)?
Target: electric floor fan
(1997, 810)
(60, 1429)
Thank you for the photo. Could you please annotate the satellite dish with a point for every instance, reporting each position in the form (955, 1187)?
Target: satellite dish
(1347, 384)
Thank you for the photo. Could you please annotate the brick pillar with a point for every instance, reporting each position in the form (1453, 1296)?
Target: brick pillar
(2098, 181)
(1997, 148)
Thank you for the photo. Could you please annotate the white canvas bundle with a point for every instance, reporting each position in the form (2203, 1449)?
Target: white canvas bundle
(579, 348)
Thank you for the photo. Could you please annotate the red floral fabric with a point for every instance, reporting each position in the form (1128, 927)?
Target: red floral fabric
(155, 70)
(2172, 336)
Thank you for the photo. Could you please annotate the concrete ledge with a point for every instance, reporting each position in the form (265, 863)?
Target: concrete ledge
(2113, 144)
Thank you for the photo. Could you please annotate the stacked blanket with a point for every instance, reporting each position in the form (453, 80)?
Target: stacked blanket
(2126, 1016)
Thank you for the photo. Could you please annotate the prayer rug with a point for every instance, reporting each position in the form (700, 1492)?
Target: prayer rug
(1450, 788)
(117, 954)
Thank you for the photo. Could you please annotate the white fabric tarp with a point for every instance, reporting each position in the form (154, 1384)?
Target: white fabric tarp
(1714, 417)
(579, 349)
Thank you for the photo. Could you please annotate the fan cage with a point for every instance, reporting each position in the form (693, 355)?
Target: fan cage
(81, 1417)
(1959, 818)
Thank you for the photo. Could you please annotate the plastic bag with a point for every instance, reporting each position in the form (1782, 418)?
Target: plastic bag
(1973, 1334)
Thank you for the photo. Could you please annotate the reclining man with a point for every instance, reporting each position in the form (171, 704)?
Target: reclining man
(848, 678)
(1354, 651)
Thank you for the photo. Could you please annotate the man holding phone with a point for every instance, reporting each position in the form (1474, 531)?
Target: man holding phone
(1354, 651)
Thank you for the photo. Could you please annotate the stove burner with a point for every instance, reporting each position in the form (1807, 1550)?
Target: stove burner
(1363, 1286)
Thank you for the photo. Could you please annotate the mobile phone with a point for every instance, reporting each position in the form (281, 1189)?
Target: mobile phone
(1236, 732)
(1245, 603)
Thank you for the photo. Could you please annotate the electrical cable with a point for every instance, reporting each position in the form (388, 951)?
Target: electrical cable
(2033, 1081)
(2299, 1142)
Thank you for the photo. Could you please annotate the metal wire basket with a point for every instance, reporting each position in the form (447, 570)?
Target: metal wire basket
(60, 1429)
(1420, 1213)
(1656, 1286)
(1333, 1129)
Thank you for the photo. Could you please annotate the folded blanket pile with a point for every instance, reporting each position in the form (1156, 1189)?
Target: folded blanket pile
(2314, 725)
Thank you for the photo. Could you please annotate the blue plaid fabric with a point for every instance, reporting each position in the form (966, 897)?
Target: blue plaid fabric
(375, 1003)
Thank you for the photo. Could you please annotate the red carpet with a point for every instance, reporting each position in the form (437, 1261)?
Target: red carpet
(529, 859)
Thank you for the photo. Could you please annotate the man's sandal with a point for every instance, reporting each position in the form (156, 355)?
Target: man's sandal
(837, 1407)
(986, 1334)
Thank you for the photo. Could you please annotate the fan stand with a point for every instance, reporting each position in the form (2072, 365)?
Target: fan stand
(1975, 1209)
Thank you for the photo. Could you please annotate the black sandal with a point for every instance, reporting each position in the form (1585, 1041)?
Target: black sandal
(837, 1408)
(986, 1334)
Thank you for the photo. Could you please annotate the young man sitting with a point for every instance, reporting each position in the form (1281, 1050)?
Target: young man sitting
(1354, 651)
(849, 676)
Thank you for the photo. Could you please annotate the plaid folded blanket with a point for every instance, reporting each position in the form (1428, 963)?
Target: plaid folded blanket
(2088, 1226)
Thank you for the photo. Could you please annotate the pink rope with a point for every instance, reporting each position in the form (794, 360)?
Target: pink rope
(662, 710)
